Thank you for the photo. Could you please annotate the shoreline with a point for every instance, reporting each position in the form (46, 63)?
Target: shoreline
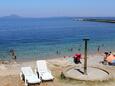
(48, 58)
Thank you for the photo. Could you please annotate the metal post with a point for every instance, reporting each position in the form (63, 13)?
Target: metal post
(85, 57)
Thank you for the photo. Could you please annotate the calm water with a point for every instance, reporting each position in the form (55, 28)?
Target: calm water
(45, 37)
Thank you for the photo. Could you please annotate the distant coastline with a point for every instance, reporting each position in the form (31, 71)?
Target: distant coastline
(99, 20)
(91, 19)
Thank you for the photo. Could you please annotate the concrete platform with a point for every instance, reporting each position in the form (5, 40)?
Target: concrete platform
(93, 74)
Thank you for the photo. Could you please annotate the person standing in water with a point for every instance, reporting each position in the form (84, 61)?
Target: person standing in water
(98, 48)
(58, 52)
(13, 54)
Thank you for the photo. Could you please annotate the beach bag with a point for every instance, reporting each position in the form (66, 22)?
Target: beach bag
(113, 61)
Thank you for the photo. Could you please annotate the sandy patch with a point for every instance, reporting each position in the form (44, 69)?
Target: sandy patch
(9, 73)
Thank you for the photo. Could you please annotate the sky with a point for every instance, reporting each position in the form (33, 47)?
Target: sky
(55, 8)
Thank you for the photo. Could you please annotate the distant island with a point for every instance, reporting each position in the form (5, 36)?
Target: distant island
(99, 20)
(13, 16)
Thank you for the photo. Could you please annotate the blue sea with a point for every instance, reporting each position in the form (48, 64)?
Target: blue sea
(44, 38)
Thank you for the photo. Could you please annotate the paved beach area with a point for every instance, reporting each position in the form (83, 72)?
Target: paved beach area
(9, 72)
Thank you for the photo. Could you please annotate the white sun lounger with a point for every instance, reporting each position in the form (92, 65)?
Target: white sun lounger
(29, 76)
(42, 70)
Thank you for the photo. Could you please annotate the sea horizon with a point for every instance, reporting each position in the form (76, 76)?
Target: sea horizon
(12, 16)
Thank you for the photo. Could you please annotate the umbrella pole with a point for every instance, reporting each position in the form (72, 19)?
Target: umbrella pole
(85, 57)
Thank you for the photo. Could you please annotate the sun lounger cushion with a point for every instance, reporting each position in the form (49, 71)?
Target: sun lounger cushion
(32, 79)
(29, 75)
(27, 71)
(44, 72)
(46, 76)
(42, 67)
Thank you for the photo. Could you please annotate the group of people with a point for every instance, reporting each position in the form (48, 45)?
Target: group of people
(109, 58)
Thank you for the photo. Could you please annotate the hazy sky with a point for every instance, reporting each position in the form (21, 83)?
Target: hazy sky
(51, 8)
